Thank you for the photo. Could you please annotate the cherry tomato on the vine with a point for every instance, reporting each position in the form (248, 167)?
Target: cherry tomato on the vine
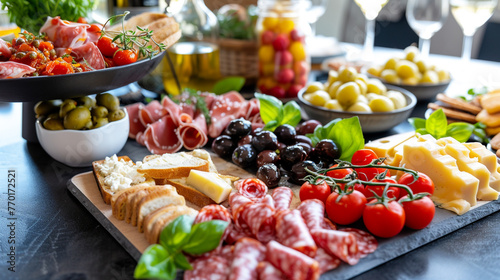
(423, 183)
(348, 209)
(320, 191)
(384, 221)
(107, 46)
(419, 213)
(392, 192)
(338, 173)
(124, 57)
(363, 157)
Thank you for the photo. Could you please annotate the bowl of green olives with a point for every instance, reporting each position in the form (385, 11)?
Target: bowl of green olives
(376, 112)
(79, 131)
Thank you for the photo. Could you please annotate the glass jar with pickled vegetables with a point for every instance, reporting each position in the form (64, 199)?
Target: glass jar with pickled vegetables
(284, 63)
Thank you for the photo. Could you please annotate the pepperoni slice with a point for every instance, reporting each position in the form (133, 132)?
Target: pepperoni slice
(293, 264)
(367, 243)
(248, 253)
(326, 262)
(282, 198)
(267, 271)
(313, 212)
(292, 232)
(252, 188)
(218, 267)
(338, 243)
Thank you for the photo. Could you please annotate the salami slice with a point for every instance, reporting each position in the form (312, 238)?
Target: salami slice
(234, 234)
(326, 262)
(208, 268)
(259, 218)
(237, 203)
(213, 212)
(266, 271)
(367, 243)
(252, 188)
(313, 212)
(248, 253)
(292, 232)
(282, 198)
(338, 243)
(269, 201)
(293, 264)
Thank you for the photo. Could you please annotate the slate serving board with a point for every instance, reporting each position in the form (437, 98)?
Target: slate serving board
(84, 188)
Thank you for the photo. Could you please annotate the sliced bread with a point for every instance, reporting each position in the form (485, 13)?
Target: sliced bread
(155, 201)
(134, 205)
(191, 194)
(120, 199)
(164, 219)
(172, 166)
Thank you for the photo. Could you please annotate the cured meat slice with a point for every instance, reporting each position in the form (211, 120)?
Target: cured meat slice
(133, 116)
(326, 262)
(338, 243)
(235, 234)
(160, 139)
(89, 54)
(181, 113)
(269, 201)
(152, 112)
(212, 212)
(367, 243)
(208, 268)
(224, 109)
(282, 197)
(140, 138)
(4, 49)
(252, 108)
(12, 70)
(194, 134)
(248, 253)
(313, 212)
(266, 271)
(252, 188)
(292, 232)
(65, 34)
(293, 264)
(237, 202)
(259, 217)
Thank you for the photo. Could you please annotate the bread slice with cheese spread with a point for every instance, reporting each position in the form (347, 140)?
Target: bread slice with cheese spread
(172, 166)
(156, 200)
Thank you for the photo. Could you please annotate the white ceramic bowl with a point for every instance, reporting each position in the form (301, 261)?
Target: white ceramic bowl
(370, 122)
(79, 148)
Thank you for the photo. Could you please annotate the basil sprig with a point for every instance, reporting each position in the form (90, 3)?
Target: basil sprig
(274, 113)
(160, 261)
(346, 133)
(437, 126)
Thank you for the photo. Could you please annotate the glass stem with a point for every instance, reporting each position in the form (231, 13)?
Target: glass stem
(424, 46)
(467, 47)
(369, 40)
(313, 29)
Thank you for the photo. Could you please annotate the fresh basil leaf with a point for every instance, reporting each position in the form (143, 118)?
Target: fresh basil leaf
(271, 126)
(417, 123)
(436, 124)
(156, 263)
(291, 114)
(314, 139)
(460, 131)
(348, 135)
(269, 107)
(228, 84)
(182, 262)
(480, 125)
(205, 237)
(176, 233)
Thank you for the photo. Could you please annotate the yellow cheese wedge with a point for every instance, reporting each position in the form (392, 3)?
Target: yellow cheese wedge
(454, 190)
(210, 184)
(488, 159)
(384, 147)
(398, 156)
(470, 165)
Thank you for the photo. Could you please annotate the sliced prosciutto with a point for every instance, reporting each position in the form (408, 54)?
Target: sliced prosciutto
(65, 34)
(4, 50)
(226, 108)
(152, 113)
(89, 54)
(160, 137)
(133, 116)
(12, 70)
(194, 134)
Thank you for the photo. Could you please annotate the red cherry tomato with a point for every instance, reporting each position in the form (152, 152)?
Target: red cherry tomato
(124, 57)
(338, 173)
(392, 192)
(419, 213)
(347, 210)
(423, 183)
(106, 46)
(320, 191)
(363, 157)
(384, 221)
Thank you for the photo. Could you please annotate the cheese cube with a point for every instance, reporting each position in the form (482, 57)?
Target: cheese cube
(488, 158)
(209, 183)
(384, 147)
(454, 190)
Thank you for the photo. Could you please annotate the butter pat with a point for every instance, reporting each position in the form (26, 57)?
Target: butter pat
(210, 184)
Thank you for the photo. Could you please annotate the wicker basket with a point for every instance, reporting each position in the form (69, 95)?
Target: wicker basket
(238, 58)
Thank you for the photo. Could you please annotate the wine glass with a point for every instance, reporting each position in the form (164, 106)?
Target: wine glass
(316, 9)
(470, 15)
(426, 17)
(370, 9)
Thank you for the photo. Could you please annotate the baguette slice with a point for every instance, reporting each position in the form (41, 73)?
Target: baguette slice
(172, 166)
(140, 196)
(134, 198)
(121, 198)
(155, 226)
(191, 194)
(155, 201)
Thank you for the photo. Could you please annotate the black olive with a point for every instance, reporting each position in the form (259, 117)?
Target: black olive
(327, 151)
(298, 171)
(223, 146)
(292, 155)
(244, 156)
(286, 134)
(303, 139)
(238, 128)
(266, 157)
(247, 139)
(265, 140)
(307, 127)
(269, 174)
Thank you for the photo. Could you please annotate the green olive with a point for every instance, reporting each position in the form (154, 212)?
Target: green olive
(108, 100)
(77, 118)
(89, 125)
(100, 122)
(53, 124)
(44, 108)
(99, 112)
(85, 101)
(53, 116)
(66, 107)
(116, 115)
